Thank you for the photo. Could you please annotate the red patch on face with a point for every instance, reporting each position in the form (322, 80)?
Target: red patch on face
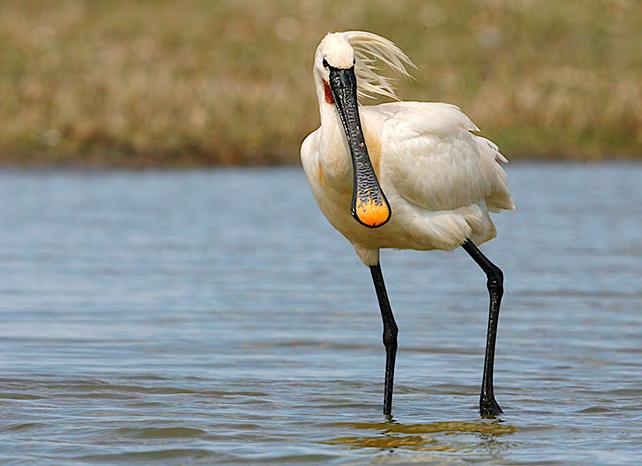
(329, 98)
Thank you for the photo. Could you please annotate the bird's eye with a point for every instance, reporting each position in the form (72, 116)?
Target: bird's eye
(354, 61)
(325, 63)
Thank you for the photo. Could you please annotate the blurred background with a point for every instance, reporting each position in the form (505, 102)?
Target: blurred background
(201, 82)
(199, 312)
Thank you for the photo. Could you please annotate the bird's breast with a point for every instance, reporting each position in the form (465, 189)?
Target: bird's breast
(335, 163)
(335, 167)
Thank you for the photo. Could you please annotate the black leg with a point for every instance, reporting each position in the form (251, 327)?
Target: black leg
(390, 332)
(487, 404)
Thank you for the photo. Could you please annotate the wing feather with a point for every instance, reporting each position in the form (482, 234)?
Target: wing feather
(434, 161)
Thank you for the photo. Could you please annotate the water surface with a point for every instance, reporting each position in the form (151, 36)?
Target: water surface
(214, 317)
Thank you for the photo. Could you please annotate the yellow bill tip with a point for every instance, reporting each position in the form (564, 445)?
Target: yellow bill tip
(372, 214)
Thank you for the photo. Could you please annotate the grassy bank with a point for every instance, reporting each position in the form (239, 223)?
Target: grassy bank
(198, 82)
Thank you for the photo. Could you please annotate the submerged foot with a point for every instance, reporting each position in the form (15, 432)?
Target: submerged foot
(488, 407)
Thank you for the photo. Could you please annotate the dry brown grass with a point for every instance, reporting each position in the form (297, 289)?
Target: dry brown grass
(197, 82)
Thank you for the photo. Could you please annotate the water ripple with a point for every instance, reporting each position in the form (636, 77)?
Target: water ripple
(139, 326)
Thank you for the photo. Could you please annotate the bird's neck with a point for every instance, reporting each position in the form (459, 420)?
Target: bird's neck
(334, 153)
(327, 109)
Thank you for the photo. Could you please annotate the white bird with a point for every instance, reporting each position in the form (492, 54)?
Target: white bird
(406, 175)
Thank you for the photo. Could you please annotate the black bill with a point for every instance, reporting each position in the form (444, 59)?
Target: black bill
(369, 205)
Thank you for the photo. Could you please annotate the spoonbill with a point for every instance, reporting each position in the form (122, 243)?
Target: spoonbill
(405, 175)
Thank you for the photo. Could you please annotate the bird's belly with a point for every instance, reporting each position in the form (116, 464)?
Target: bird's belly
(409, 227)
(399, 232)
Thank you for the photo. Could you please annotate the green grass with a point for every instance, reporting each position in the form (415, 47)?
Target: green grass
(200, 82)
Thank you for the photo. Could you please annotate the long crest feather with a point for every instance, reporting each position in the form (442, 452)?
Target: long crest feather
(370, 48)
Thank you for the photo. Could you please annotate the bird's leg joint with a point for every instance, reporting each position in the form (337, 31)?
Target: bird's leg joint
(390, 333)
(495, 282)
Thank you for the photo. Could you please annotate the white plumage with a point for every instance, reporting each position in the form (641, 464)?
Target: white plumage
(441, 180)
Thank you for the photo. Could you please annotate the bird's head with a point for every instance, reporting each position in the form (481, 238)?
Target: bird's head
(343, 66)
(336, 51)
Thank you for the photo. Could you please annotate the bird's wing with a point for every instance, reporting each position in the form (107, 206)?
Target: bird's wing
(433, 160)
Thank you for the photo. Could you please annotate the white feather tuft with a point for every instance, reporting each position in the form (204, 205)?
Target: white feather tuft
(368, 49)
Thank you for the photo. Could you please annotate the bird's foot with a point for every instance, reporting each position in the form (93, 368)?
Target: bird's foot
(488, 407)
(389, 419)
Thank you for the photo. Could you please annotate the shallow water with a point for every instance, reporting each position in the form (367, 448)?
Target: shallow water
(214, 317)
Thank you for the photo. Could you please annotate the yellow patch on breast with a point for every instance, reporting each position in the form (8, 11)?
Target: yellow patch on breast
(372, 214)
(373, 142)
(321, 176)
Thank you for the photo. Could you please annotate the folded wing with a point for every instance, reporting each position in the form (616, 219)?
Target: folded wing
(434, 160)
